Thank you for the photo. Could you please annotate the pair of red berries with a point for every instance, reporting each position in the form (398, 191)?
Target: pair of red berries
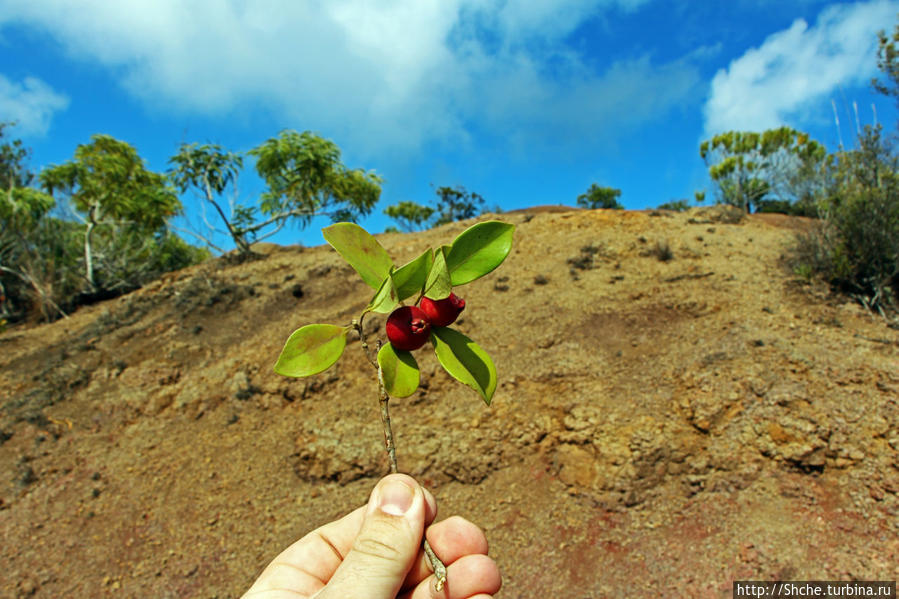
(409, 327)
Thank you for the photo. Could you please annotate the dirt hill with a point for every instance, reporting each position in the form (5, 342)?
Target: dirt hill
(675, 410)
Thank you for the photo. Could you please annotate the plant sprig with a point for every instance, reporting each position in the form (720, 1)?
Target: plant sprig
(314, 348)
(434, 274)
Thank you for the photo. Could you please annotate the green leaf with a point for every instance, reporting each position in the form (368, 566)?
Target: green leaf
(465, 361)
(311, 349)
(410, 279)
(399, 371)
(360, 250)
(478, 250)
(385, 300)
(438, 284)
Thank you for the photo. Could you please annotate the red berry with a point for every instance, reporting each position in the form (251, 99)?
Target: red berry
(443, 312)
(408, 328)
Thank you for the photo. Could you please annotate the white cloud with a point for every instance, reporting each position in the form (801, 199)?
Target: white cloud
(31, 104)
(378, 73)
(794, 71)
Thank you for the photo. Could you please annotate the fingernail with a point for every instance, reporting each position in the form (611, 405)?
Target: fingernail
(395, 497)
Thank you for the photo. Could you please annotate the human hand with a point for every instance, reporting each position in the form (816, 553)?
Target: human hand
(376, 552)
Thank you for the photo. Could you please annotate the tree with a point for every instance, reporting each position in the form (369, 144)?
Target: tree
(108, 182)
(21, 215)
(452, 204)
(888, 63)
(32, 246)
(600, 197)
(779, 163)
(411, 216)
(210, 169)
(14, 173)
(305, 178)
(457, 203)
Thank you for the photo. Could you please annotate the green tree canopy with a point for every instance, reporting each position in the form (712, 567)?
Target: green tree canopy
(600, 197)
(782, 164)
(457, 203)
(33, 247)
(411, 216)
(306, 178)
(108, 182)
(304, 175)
(14, 172)
(452, 204)
(21, 205)
(210, 169)
(888, 63)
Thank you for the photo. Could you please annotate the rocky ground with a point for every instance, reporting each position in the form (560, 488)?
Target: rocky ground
(676, 410)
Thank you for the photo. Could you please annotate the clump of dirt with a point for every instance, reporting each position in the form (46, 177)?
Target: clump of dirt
(666, 421)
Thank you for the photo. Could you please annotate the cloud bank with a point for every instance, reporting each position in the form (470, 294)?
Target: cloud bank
(382, 74)
(798, 69)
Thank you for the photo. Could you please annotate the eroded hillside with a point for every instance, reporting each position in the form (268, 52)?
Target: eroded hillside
(675, 411)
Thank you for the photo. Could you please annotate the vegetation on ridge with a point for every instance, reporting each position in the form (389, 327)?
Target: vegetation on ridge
(100, 224)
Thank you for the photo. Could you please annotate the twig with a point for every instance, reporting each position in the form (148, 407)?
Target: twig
(198, 236)
(436, 565)
(383, 399)
(677, 278)
(357, 324)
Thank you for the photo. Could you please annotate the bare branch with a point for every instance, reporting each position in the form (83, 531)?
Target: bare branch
(198, 236)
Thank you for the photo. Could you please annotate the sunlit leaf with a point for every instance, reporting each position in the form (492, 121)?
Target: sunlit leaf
(410, 278)
(385, 300)
(438, 284)
(399, 370)
(361, 250)
(478, 250)
(311, 349)
(465, 361)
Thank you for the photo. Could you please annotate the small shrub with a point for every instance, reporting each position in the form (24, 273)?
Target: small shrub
(856, 247)
(662, 251)
(600, 197)
(800, 208)
(586, 260)
(676, 205)
(804, 272)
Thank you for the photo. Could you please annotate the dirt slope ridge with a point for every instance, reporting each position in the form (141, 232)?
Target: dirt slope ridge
(661, 427)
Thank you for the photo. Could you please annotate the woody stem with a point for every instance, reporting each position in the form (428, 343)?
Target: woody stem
(383, 400)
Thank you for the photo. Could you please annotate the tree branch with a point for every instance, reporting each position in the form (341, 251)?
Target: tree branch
(198, 236)
(284, 216)
(239, 241)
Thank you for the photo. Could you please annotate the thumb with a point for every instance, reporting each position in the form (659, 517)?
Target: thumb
(387, 543)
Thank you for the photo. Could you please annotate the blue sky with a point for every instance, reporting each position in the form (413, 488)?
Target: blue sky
(526, 102)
